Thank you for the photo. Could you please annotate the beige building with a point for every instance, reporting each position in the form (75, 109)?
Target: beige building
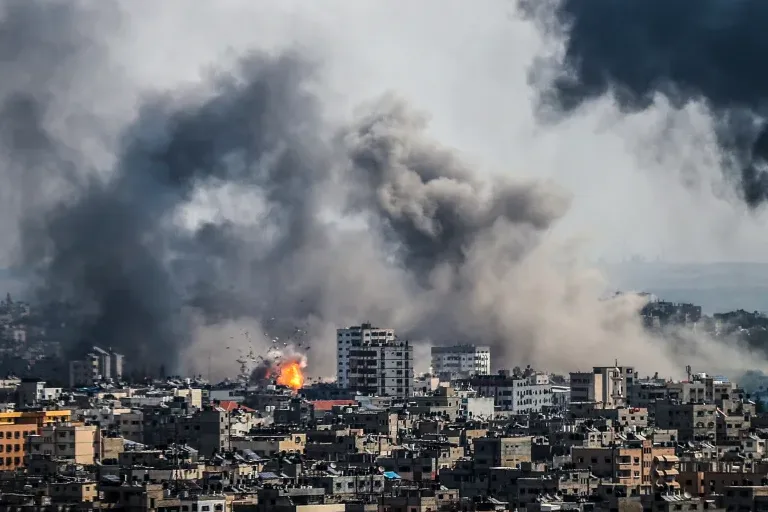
(271, 444)
(506, 452)
(73, 492)
(131, 426)
(193, 396)
(638, 464)
(609, 386)
(72, 441)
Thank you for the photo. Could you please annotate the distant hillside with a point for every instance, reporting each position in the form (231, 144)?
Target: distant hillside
(717, 287)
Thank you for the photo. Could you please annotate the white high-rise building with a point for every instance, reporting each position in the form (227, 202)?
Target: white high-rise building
(356, 336)
(461, 361)
(373, 361)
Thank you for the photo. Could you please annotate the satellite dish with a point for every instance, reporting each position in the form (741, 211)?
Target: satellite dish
(687, 495)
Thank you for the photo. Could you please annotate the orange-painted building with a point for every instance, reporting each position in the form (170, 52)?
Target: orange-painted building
(15, 429)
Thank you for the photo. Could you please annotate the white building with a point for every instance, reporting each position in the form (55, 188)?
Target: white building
(461, 361)
(527, 394)
(356, 336)
(372, 361)
(32, 392)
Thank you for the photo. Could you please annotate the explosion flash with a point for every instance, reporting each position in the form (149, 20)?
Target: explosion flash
(291, 375)
(283, 367)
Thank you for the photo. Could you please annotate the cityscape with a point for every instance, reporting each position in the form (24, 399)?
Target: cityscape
(465, 435)
(339, 256)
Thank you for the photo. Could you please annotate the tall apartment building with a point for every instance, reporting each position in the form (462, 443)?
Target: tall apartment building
(353, 337)
(461, 361)
(372, 361)
(610, 386)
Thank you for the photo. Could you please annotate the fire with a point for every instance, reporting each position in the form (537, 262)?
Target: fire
(291, 375)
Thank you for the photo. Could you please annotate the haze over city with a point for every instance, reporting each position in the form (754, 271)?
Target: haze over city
(187, 173)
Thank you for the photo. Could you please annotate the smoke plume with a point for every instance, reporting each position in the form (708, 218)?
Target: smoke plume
(706, 52)
(206, 220)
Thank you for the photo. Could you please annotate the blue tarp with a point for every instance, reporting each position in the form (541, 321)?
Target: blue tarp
(391, 475)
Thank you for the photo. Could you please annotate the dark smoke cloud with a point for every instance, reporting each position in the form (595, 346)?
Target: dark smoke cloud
(111, 248)
(44, 47)
(709, 51)
(425, 199)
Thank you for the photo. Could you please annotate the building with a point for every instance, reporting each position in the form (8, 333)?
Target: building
(71, 441)
(207, 430)
(32, 392)
(356, 336)
(609, 386)
(103, 362)
(372, 361)
(461, 361)
(84, 372)
(637, 463)
(507, 452)
(99, 364)
(38, 418)
(692, 421)
(524, 394)
(117, 365)
(16, 428)
(13, 439)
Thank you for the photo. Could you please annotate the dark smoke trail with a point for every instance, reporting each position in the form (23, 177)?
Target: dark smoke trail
(708, 50)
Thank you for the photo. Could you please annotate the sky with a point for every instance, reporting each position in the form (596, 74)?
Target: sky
(469, 66)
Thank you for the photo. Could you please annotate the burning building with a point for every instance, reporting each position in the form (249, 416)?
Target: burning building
(281, 369)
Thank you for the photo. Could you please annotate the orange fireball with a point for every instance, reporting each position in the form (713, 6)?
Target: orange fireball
(291, 375)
